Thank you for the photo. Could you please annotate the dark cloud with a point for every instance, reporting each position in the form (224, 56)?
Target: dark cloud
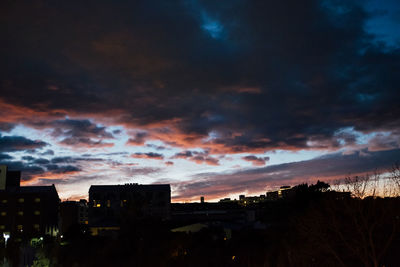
(6, 127)
(256, 161)
(149, 155)
(19, 143)
(156, 147)
(63, 160)
(38, 167)
(184, 155)
(234, 76)
(62, 169)
(328, 168)
(79, 128)
(69, 159)
(138, 139)
(5, 156)
(198, 157)
(28, 171)
(117, 131)
(87, 142)
(78, 132)
(129, 173)
(41, 161)
(28, 158)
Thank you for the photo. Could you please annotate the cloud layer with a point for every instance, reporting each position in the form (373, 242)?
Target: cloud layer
(329, 168)
(277, 75)
(203, 78)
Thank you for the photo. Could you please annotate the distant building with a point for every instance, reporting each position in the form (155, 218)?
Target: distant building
(26, 210)
(73, 213)
(227, 199)
(189, 213)
(108, 204)
(273, 195)
(284, 192)
(83, 212)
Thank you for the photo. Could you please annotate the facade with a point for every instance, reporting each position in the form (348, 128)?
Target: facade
(73, 213)
(27, 211)
(108, 204)
(284, 192)
(83, 212)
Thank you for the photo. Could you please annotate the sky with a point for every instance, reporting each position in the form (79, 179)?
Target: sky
(216, 98)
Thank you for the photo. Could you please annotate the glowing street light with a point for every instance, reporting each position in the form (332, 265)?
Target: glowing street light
(6, 237)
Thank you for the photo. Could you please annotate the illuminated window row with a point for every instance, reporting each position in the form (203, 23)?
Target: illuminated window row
(21, 200)
(20, 213)
(97, 203)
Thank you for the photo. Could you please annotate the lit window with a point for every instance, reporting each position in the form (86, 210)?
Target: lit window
(19, 226)
(20, 213)
(21, 200)
(37, 200)
(108, 203)
(36, 212)
(4, 201)
(98, 205)
(36, 226)
(3, 213)
(2, 227)
(86, 222)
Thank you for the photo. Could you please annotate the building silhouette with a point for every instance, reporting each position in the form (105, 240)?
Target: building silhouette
(110, 204)
(26, 211)
(73, 213)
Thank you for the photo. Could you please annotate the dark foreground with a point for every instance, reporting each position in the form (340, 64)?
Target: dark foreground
(313, 228)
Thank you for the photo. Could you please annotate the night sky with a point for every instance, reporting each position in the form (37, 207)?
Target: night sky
(217, 98)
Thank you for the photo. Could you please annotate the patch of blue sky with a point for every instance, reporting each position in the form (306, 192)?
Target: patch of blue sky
(35, 134)
(210, 25)
(284, 156)
(211, 136)
(213, 28)
(363, 97)
(384, 23)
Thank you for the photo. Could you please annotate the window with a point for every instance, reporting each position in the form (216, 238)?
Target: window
(20, 213)
(19, 227)
(2, 227)
(3, 213)
(4, 201)
(36, 212)
(108, 203)
(37, 200)
(21, 200)
(36, 226)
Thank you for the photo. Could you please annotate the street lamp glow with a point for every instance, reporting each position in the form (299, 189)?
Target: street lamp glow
(6, 237)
